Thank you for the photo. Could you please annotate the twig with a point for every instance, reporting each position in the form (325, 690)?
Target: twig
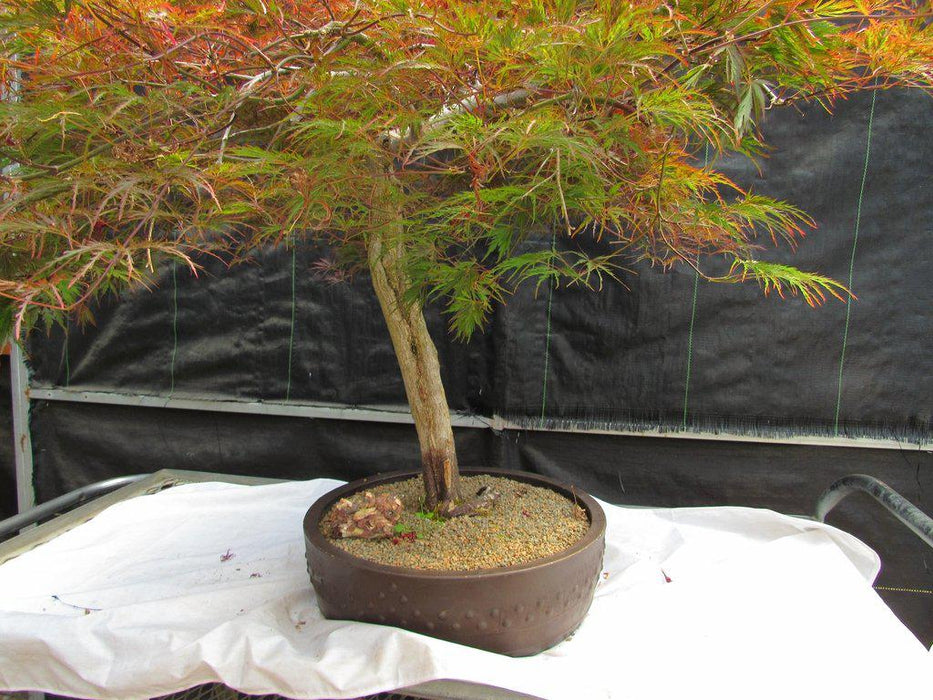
(76, 607)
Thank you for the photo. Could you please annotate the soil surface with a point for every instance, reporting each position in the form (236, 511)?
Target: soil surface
(526, 523)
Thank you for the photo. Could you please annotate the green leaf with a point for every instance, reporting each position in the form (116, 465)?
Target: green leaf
(783, 279)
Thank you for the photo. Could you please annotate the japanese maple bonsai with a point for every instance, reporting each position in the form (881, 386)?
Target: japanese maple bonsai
(423, 141)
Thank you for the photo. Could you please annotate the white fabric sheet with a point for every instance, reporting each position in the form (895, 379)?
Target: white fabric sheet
(207, 582)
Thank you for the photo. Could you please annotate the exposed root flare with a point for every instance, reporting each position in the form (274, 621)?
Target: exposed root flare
(480, 504)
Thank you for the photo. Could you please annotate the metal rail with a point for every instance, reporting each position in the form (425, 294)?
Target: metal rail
(402, 415)
(163, 479)
(22, 438)
(919, 522)
(66, 502)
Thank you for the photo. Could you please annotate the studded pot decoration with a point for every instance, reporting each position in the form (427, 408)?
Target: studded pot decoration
(516, 610)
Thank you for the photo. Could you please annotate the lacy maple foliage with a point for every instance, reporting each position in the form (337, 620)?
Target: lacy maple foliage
(136, 132)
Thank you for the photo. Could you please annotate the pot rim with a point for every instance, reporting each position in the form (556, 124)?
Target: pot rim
(593, 535)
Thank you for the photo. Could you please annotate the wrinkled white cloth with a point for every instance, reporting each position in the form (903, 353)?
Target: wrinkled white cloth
(207, 582)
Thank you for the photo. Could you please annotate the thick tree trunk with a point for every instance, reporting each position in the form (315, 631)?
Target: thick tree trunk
(417, 359)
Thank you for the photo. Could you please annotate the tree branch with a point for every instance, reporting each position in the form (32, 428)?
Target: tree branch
(394, 140)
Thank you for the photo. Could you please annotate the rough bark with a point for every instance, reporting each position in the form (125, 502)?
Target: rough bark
(417, 359)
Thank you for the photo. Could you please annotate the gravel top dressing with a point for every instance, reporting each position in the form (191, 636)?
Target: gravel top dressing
(526, 523)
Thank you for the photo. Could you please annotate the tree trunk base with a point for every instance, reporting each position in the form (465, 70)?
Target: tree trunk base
(441, 483)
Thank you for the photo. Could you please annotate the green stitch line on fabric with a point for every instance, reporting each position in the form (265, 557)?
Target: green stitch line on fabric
(174, 325)
(291, 339)
(858, 221)
(547, 337)
(67, 359)
(693, 316)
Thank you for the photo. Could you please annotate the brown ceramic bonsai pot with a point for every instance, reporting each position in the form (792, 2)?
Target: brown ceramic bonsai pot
(516, 610)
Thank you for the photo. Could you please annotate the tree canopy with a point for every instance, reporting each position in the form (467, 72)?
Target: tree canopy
(137, 132)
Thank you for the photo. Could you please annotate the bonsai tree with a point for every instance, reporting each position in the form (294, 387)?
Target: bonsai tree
(425, 141)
